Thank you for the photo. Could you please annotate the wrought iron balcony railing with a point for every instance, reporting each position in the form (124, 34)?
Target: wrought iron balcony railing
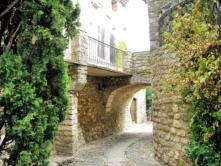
(103, 55)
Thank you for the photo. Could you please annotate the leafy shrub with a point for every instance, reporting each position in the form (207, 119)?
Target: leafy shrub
(33, 77)
(195, 40)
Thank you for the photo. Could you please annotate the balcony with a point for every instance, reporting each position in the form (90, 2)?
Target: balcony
(102, 59)
(104, 55)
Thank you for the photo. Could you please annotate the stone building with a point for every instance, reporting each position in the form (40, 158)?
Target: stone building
(105, 79)
(105, 96)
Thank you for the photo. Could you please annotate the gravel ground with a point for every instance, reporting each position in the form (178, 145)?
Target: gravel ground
(132, 148)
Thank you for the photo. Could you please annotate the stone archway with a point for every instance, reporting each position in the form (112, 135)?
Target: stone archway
(118, 102)
(109, 99)
(102, 104)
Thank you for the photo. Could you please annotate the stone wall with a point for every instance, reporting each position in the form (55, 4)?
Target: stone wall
(141, 66)
(102, 104)
(169, 118)
(166, 18)
(93, 120)
(158, 9)
(99, 103)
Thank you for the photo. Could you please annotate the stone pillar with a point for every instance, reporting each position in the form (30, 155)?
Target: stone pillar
(169, 118)
(77, 51)
(66, 141)
(79, 46)
(78, 76)
(69, 136)
(153, 6)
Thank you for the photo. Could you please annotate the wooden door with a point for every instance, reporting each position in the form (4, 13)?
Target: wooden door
(133, 110)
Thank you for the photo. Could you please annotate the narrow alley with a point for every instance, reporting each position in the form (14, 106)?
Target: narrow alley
(133, 147)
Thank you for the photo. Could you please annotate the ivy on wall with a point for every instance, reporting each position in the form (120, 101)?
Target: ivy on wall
(33, 76)
(197, 77)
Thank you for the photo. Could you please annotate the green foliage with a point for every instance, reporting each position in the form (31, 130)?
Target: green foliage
(148, 98)
(119, 58)
(34, 81)
(195, 39)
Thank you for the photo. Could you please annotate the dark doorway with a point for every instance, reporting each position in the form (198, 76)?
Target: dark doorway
(133, 110)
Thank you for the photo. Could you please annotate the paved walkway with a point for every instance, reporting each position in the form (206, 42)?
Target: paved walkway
(132, 148)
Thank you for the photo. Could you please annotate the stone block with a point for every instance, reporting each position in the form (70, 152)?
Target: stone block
(167, 137)
(165, 158)
(177, 116)
(178, 147)
(181, 133)
(68, 128)
(67, 122)
(178, 123)
(64, 139)
(184, 140)
(176, 139)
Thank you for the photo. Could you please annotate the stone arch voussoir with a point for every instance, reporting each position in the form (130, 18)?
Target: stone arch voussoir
(124, 93)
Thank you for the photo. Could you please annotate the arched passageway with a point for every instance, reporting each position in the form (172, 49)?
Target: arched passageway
(102, 103)
(103, 106)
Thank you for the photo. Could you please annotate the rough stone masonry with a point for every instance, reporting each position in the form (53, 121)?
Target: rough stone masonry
(98, 104)
(98, 111)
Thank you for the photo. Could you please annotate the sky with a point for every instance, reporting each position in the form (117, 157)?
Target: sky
(134, 17)
(137, 22)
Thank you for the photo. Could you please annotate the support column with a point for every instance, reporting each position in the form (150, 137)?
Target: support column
(66, 141)
(169, 115)
(69, 136)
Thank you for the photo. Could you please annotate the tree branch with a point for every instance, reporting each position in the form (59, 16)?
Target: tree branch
(12, 37)
(9, 7)
(5, 142)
